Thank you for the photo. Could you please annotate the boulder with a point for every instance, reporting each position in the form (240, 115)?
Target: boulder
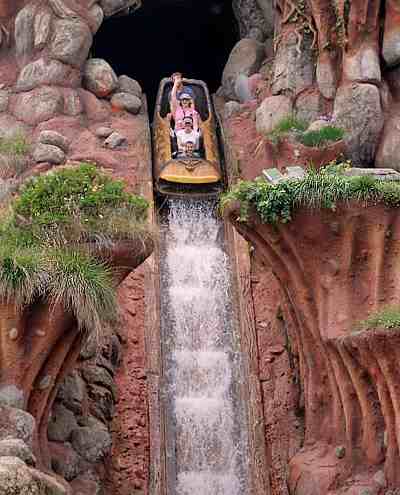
(231, 108)
(42, 27)
(388, 155)
(363, 66)
(11, 127)
(358, 111)
(73, 394)
(126, 101)
(15, 447)
(102, 133)
(24, 33)
(268, 9)
(319, 124)
(96, 18)
(245, 58)
(115, 140)
(16, 423)
(38, 105)
(250, 18)
(93, 444)
(95, 109)
(72, 41)
(91, 346)
(309, 106)
(89, 482)
(10, 395)
(100, 376)
(391, 37)
(128, 85)
(49, 154)
(293, 71)
(392, 77)
(111, 7)
(16, 478)
(326, 75)
(42, 72)
(54, 138)
(61, 424)
(103, 402)
(64, 460)
(271, 111)
(72, 103)
(99, 77)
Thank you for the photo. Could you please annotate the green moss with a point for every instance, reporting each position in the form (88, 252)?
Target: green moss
(323, 188)
(322, 137)
(388, 317)
(45, 240)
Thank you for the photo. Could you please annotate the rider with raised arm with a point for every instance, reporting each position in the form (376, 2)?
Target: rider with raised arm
(183, 106)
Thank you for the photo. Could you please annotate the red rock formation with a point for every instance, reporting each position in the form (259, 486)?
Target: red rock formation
(334, 268)
(41, 344)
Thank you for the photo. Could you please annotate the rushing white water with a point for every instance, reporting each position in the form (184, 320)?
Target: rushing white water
(206, 430)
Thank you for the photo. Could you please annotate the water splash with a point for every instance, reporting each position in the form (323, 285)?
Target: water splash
(205, 438)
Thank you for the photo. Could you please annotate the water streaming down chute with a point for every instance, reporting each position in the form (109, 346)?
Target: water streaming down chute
(206, 431)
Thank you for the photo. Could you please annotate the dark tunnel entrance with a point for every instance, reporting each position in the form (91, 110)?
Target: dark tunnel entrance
(194, 37)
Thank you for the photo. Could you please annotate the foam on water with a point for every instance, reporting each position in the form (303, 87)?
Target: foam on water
(206, 420)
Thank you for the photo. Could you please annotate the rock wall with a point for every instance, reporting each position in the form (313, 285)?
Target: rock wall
(339, 60)
(71, 110)
(348, 378)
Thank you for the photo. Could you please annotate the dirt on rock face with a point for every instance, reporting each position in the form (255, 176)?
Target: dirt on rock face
(128, 465)
(279, 376)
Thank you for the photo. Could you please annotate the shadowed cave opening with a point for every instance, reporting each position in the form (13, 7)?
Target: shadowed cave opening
(164, 36)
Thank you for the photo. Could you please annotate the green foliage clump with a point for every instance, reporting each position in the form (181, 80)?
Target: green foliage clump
(388, 317)
(290, 123)
(297, 128)
(79, 203)
(323, 188)
(322, 137)
(17, 145)
(48, 239)
(14, 156)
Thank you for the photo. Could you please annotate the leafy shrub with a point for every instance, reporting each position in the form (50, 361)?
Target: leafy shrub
(78, 203)
(388, 317)
(47, 236)
(321, 137)
(323, 188)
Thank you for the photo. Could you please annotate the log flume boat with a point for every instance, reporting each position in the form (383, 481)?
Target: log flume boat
(199, 176)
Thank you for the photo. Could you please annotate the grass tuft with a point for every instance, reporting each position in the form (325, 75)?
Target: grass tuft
(288, 124)
(83, 286)
(23, 276)
(388, 317)
(17, 145)
(323, 188)
(297, 128)
(14, 156)
(322, 137)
